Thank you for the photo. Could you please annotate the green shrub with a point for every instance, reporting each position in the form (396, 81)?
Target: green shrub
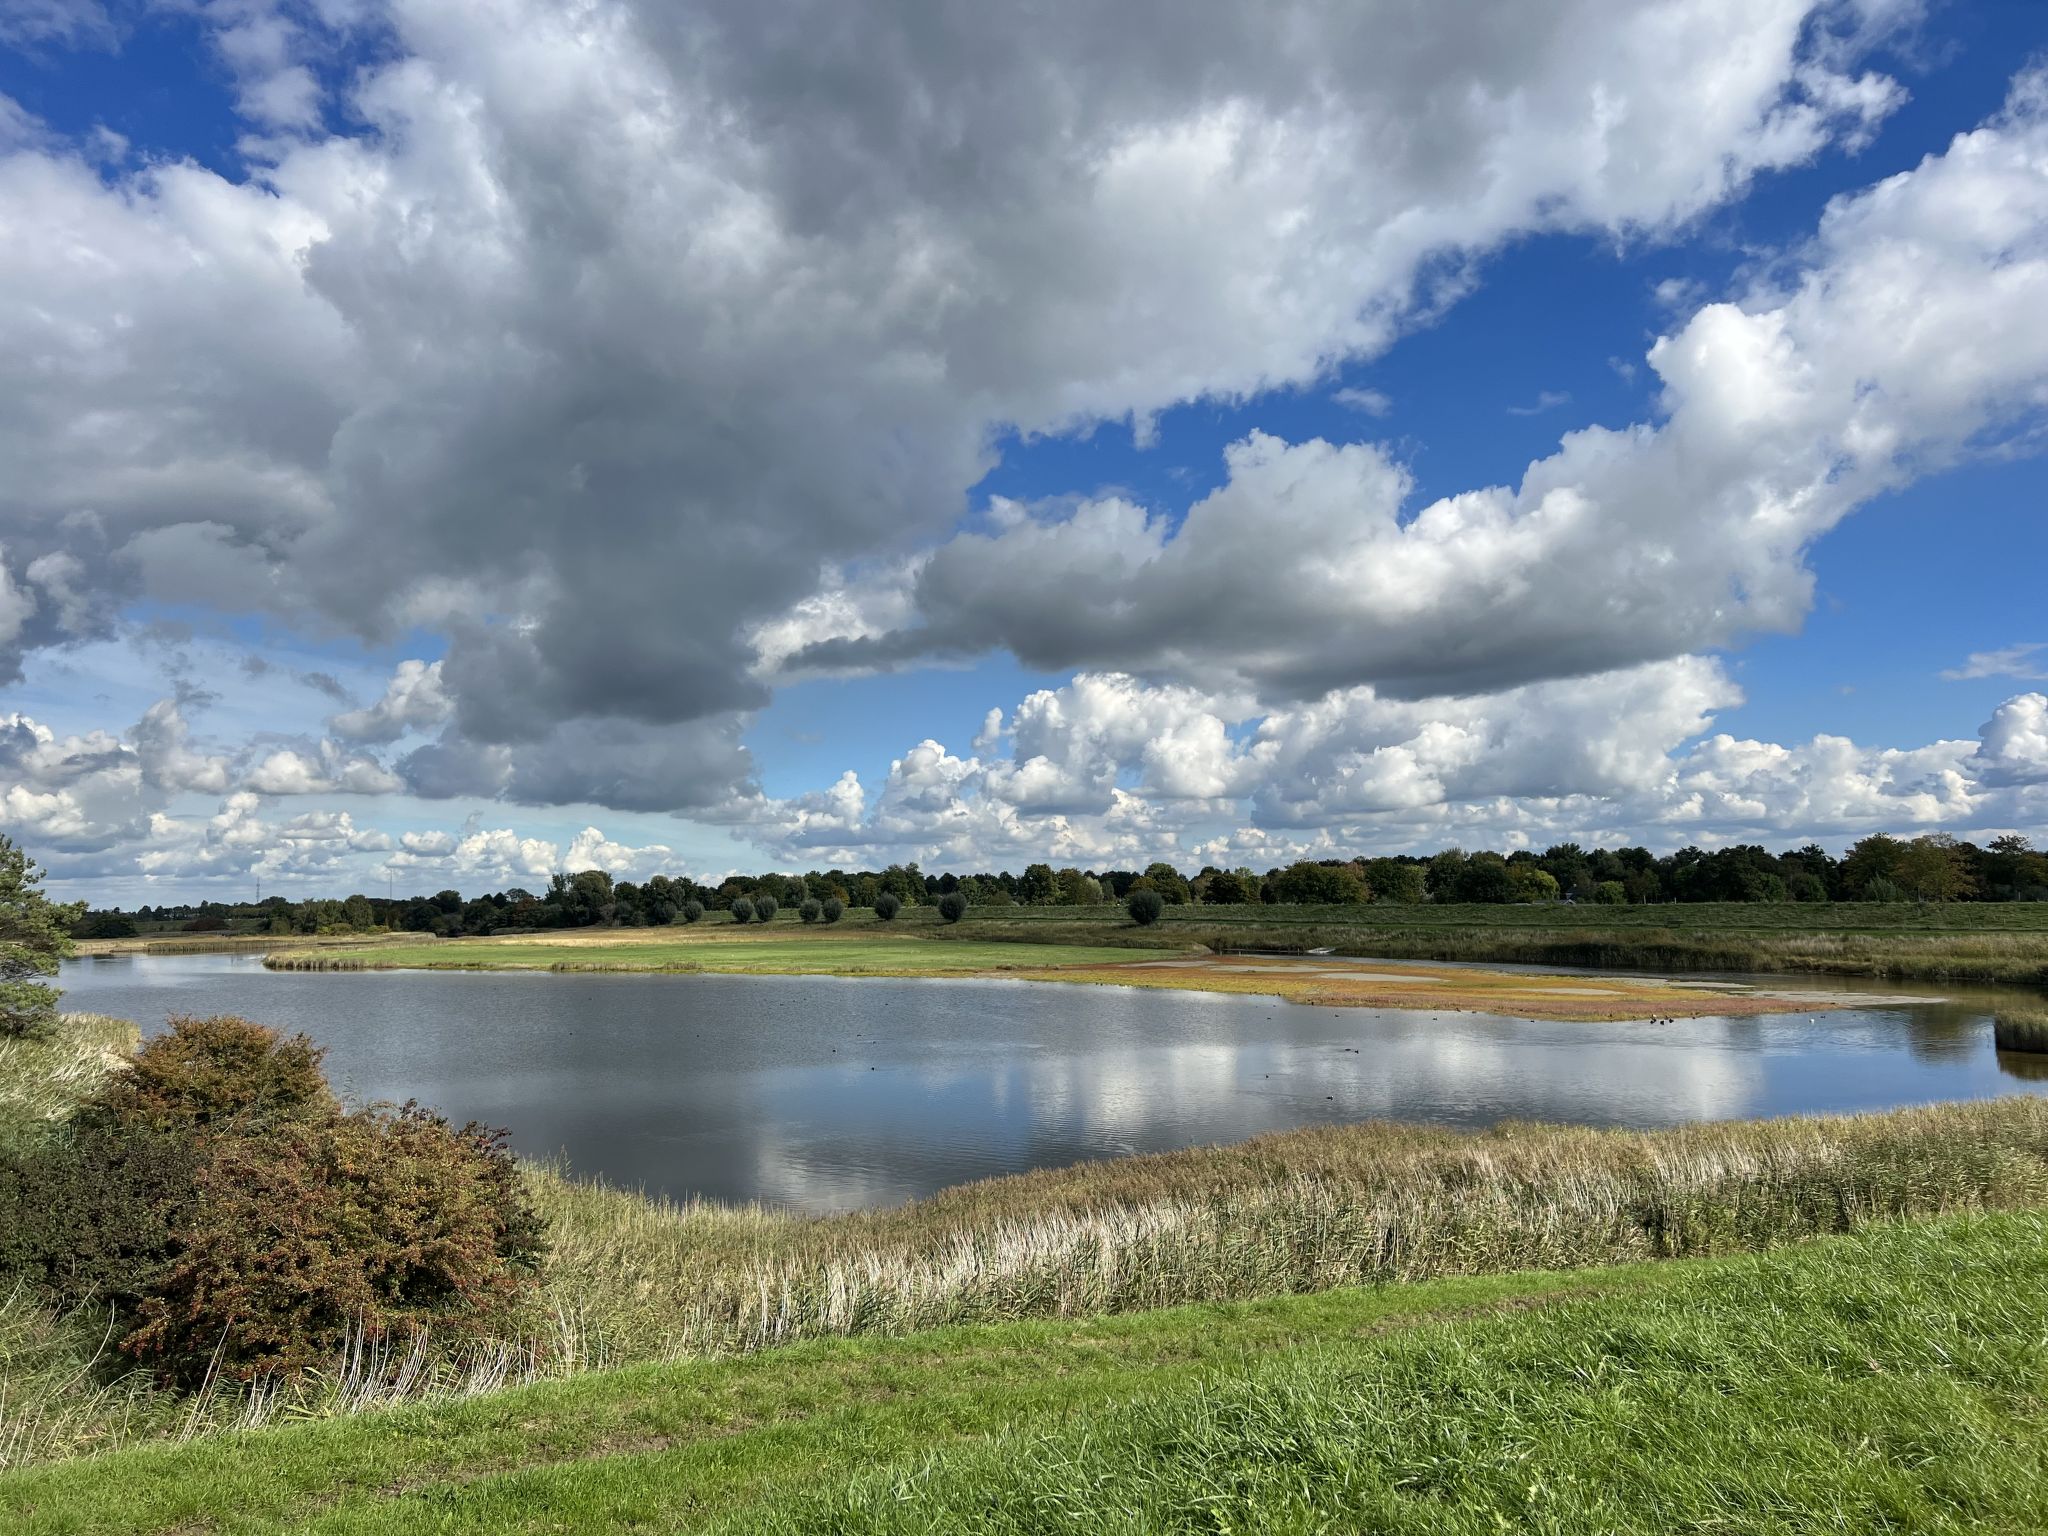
(742, 910)
(1611, 893)
(34, 937)
(379, 1225)
(833, 909)
(2021, 1029)
(887, 905)
(216, 1073)
(765, 908)
(952, 906)
(811, 910)
(693, 911)
(95, 1213)
(1145, 905)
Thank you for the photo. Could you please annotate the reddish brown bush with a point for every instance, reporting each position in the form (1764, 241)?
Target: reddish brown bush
(213, 1074)
(386, 1223)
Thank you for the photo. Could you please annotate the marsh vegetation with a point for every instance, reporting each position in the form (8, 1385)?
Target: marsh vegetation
(625, 1278)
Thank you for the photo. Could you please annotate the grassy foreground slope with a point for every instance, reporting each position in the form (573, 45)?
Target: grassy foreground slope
(630, 1280)
(1887, 1381)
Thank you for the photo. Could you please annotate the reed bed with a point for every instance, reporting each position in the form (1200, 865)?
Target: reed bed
(302, 961)
(1302, 1211)
(2021, 1029)
(2019, 958)
(213, 946)
(65, 1392)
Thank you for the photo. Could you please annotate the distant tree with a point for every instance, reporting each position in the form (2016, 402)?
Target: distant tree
(742, 910)
(1225, 888)
(1874, 858)
(1806, 887)
(1394, 880)
(1610, 893)
(34, 936)
(104, 925)
(765, 908)
(1484, 879)
(1815, 861)
(1570, 866)
(1443, 872)
(1308, 883)
(1170, 883)
(693, 910)
(1931, 869)
(1530, 882)
(952, 906)
(811, 909)
(2014, 870)
(1764, 885)
(1038, 887)
(1883, 888)
(356, 912)
(1145, 906)
(1078, 889)
(832, 909)
(903, 881)
(206, 922)
(887, 905)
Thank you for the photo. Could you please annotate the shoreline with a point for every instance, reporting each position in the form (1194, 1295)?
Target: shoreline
(1323, 981)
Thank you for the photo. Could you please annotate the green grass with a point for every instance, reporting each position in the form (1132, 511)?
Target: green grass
(1889, 1381)
(1892, 1383)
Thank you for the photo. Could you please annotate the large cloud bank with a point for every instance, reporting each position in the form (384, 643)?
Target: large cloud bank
(643, 357)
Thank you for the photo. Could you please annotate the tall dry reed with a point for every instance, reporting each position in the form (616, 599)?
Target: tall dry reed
(1290, 1213)
(2021, 1029)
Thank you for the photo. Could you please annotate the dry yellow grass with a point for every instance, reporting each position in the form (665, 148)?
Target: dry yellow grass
(633, 1278)
(1340, 983)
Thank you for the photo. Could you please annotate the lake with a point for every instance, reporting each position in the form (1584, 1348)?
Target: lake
(826, 1093)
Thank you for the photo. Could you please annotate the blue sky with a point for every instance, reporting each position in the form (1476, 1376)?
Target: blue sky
(655, 477)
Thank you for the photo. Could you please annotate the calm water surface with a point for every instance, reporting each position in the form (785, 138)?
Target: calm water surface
(829, 1093)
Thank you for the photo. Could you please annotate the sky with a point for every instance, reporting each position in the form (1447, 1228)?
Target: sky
(447, 442)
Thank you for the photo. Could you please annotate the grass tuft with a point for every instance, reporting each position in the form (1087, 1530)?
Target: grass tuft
(2021, 1029)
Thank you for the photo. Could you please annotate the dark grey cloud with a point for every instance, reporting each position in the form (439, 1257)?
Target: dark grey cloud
(326, 683)
(625, 323)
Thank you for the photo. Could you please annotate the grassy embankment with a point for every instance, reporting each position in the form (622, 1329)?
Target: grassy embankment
(1958, 942)
(631, 1279)
(1887, 1381)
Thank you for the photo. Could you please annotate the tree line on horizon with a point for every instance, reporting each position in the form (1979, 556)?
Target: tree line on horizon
(1932, 867)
